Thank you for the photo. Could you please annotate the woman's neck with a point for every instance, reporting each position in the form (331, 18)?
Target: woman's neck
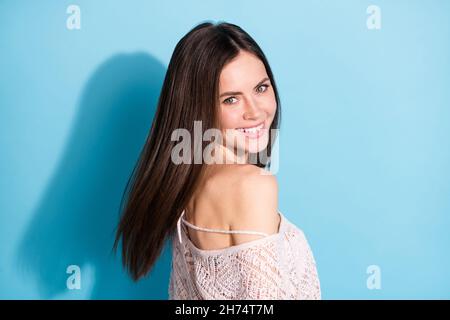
(223, 155)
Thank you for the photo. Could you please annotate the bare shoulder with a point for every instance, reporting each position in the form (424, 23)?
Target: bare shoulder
(249, 198)
(256, 197)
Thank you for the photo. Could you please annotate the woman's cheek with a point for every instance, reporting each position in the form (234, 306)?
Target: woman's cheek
(230, 119)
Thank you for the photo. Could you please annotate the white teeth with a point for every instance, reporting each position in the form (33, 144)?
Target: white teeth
(251, 130)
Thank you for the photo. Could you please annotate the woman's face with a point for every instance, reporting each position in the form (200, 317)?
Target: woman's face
(247, 104)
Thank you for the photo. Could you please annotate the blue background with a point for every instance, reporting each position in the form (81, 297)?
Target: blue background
(364, 146)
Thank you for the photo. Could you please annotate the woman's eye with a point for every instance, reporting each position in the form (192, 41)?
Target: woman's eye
(262, 88)
(230, 100)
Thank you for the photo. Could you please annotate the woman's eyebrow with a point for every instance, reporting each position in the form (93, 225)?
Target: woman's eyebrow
(235, 93)
(261, 82)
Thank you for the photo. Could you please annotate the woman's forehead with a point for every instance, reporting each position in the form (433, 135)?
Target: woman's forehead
(244, 71)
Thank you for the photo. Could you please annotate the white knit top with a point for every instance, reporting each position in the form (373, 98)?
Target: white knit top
(278, 266)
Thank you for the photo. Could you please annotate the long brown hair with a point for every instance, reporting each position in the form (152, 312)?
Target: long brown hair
(158, 189)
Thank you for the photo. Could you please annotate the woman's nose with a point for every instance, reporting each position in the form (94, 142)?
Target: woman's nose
(251, 110)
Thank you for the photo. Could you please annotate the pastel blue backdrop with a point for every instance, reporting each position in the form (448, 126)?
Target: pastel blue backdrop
(364, 146)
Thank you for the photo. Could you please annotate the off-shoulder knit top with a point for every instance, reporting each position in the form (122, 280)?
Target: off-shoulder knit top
(279, 266)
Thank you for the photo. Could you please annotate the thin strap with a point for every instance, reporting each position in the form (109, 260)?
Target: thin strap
(215, 230)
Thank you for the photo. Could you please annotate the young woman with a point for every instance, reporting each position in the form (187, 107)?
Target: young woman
(214, 198)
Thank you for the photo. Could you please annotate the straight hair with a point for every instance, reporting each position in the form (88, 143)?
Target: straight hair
(158, 190)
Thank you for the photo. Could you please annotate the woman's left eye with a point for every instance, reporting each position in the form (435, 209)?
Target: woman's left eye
(262, 88)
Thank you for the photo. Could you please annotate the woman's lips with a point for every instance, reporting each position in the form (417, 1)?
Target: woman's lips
(253, 132)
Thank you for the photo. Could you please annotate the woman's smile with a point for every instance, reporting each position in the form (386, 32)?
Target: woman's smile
(253, 132)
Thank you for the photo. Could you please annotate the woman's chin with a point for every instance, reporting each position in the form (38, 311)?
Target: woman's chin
(257, 145)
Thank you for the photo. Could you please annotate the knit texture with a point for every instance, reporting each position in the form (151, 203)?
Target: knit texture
(280, 266)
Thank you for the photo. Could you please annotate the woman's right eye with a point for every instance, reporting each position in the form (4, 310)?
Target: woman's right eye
(230, 100)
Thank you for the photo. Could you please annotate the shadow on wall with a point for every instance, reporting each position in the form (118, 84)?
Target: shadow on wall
(74, 222)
